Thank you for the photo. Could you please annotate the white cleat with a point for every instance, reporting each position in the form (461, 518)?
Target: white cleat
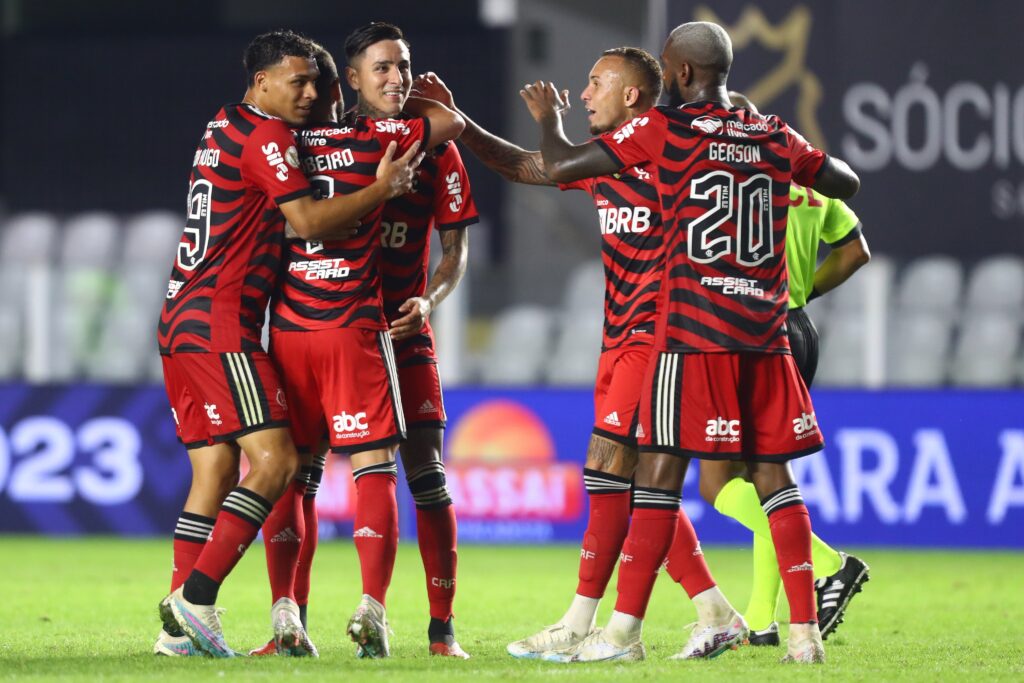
(290, 639)
(556, 638)
(804, 645)
(174, 646)
(597, 648)
(368, 629)
(710, 640)
(201, 623)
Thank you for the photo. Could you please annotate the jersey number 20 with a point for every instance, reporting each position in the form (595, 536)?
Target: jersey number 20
(751, 213)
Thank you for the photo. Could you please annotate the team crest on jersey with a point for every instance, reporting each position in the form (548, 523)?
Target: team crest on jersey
(707, 124)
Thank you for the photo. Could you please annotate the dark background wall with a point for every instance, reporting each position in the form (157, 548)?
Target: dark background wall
(104, 102)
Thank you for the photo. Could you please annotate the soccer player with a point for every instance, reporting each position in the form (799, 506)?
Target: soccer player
(379, 71)
(722, 383)
(224, 394)
(624, 83)
(330, 342)
(812, 219)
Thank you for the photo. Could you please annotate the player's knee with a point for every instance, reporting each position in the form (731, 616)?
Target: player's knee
(428, 486)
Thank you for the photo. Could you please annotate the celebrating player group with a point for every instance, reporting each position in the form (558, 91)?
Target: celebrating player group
(324, 215)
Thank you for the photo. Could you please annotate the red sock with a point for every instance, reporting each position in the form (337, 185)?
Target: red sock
(686, 563)
(607, 526)
(190, 534)
(438, 541)
(238, 522)
(376, 527)
(791, 532)
(304, 567)
(645, 549)
(282, 538)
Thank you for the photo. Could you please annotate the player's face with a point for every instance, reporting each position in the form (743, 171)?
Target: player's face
(605, 96)
(288, 89)
(383, 76)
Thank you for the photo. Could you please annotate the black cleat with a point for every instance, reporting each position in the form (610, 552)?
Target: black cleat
(835, 592)
(765, 637)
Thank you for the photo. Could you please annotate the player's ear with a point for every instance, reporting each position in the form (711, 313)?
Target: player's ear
(336, 95)
(630, 95)
(260, 81)
(352, 76)
(686, 74)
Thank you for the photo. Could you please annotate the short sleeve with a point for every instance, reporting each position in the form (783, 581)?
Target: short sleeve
(637, 141)
(270, 161)
(582, 184)
(840, 223)
(403, 131)
(804, 159)
(453, 200)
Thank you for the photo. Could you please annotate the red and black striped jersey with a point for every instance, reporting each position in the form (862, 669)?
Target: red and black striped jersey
(632, 250)
(441, 199)
(230, 252)
(337, 283)
(723, 176)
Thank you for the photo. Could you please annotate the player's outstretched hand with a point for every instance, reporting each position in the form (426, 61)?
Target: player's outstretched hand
(399, 174)
(416, 310)
(431, 87)
(544, 100)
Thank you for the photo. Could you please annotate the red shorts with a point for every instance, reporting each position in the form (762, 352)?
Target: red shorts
(620, 378)
(421, 396)
(341, 383)
(217, 397)
(727, 406)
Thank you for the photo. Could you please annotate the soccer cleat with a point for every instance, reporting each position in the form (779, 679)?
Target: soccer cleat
(269, 649)
(597, 648)
(556, 638)
(804, 645)
(201, 623)
(290, 639)
(368, 629)
(448, 650)
(766, 637)
(710, 640)
(835, 592)
(174, 646)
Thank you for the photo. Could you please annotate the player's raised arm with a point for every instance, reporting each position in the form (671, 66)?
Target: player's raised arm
(563, 161)
(445, 124)
(507, 159)
(318, 219)
(836, 179)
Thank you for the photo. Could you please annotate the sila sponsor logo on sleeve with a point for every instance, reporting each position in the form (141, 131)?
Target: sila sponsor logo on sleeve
(277, 161)
(628, 129)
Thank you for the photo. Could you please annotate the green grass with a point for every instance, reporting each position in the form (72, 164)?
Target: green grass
(86, 610)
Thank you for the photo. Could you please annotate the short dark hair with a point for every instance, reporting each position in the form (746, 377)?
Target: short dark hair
(328, 75)
(644, 64)
(268, 49)
(365, 36)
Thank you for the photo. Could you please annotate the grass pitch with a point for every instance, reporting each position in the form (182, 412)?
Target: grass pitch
(85, 609)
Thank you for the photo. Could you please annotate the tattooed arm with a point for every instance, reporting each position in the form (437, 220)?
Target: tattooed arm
(510, 161)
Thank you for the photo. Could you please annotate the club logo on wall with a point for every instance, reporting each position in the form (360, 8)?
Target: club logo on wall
(789, 38)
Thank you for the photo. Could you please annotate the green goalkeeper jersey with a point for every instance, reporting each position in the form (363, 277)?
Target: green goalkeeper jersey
(813, 219)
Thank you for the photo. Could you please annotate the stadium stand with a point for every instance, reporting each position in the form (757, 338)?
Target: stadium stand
(90, 288)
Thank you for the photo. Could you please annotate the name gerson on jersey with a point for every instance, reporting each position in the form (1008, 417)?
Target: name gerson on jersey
(632, 251)
(723, 176)
(334, 284)
(228, 260)
(442, 200)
